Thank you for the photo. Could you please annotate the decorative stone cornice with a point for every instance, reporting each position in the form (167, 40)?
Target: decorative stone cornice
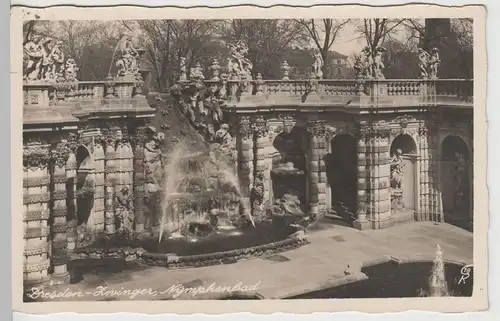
(259, 127)
(288, 122)
(317, 128)
(36, 157)
(245, 127)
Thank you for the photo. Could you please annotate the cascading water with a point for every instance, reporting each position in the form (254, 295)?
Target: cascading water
(200, 193)
(437, 280)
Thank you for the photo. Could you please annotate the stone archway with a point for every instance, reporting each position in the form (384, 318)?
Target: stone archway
(289, 165)
(403, 176)
(84, 190)
(456, 181)
(341, 172)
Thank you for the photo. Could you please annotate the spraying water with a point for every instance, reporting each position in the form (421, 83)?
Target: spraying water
(437, 280)
(172, 171)
(197, 188)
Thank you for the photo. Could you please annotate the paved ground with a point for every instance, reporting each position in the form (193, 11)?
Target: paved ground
(318, 264)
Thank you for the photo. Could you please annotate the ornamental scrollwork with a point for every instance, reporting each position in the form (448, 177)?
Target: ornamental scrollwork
(260, 127)
(245, 127)
(36, 157)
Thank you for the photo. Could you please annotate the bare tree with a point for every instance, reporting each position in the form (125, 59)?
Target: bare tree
(323, 32)
(267, 40)
(377, 31)
(169, 40)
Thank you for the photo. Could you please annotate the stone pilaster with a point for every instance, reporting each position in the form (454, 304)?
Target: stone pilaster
(361, 221)
(423, 215)
(59, 242)
(36, 197)
(435, 213)
(110, 166)
(322, 185)
(317, 135)
(245, 159)
(71, 210)
(99, 212)
(261, 193)
(139, 179)
(381, 171)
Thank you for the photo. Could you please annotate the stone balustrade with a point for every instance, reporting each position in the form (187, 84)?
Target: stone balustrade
(361, 93)
(46, 93)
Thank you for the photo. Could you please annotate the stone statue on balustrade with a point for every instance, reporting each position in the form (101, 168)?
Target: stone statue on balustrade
(358, 66)
(124, 212)
(423, 63)
(127, 65)
(318, 65)
(378, 63)
(70, 70)
(238, 64)
(39, 61)
(397, 170)
(33, 55)
(434, 63)
(196, 73)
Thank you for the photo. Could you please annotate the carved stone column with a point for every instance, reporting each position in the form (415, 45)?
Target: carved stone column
(110, 181)
(435, 214)
(317, 134)
(59, 258)
(423, 215)
(99, 212)
(322, 143)
(139, 179)
(261, 132)
(71, 210)
(36, 198)
(363, 176)
(245, 159)
(381, 171)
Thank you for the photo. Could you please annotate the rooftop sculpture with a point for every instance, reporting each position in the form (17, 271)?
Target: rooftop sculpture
(45, 60)
(428, 63)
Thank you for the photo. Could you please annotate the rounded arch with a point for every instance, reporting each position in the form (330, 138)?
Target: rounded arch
(456, 183)
(405, 143)
(292, 147)
(84, 184)
(341, 171)
(456, 136)
(452, 144)
(84, 159)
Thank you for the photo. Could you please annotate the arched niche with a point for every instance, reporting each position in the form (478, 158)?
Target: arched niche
(291, 147)
(405, 143)
(288, 174)
(403, 174)
(341, 171)
(456, 180)
(84, 184)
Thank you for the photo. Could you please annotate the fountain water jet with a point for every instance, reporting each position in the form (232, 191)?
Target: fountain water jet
(198, 189)
(437, 280)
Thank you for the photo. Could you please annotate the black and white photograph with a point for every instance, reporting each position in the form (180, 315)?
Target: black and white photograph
(221, 158)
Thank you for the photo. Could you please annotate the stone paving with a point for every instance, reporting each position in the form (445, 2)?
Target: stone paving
(320, 264)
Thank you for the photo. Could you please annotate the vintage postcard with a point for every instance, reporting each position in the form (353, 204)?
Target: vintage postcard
(213, 160)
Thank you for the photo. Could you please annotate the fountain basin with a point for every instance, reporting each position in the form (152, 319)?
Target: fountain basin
(220, 247)
(394, 279)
